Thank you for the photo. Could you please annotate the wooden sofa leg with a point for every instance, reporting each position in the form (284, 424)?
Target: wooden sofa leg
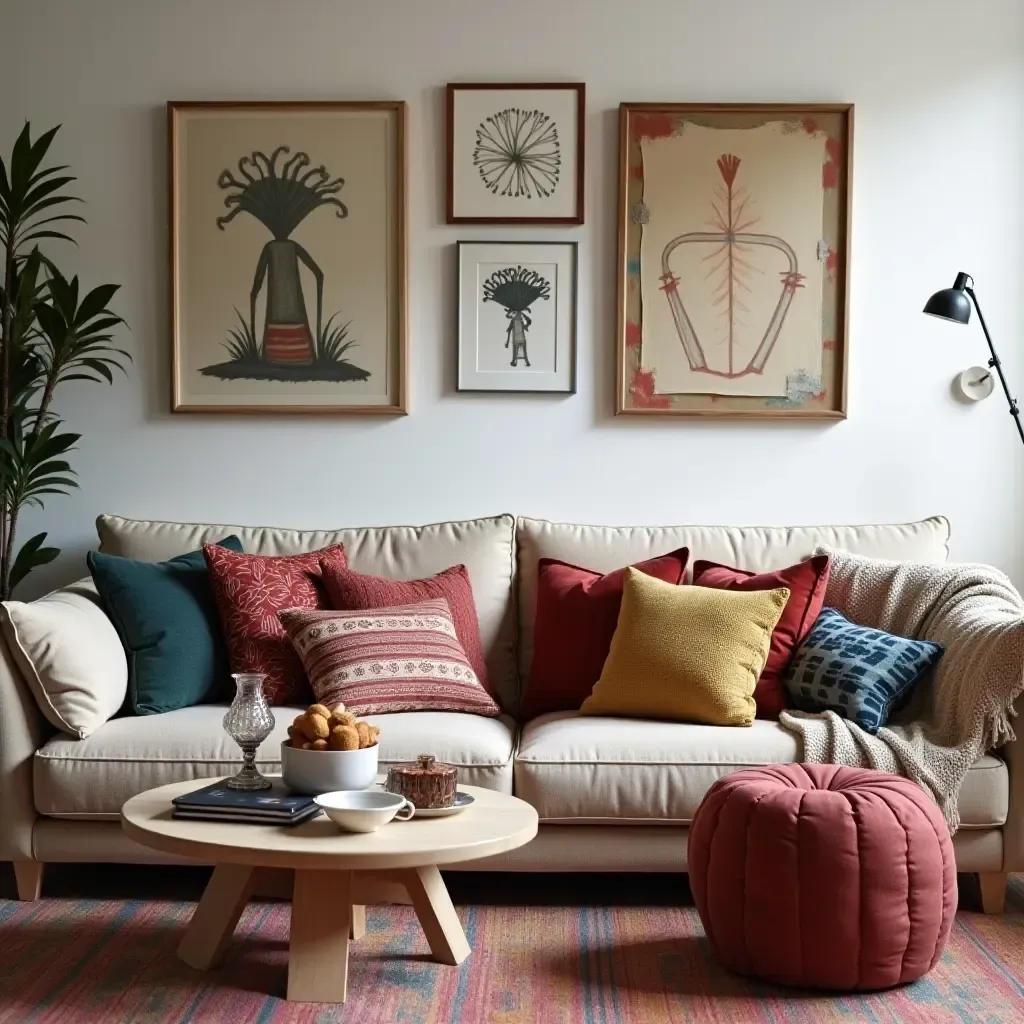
(29, 876)
(992, 885)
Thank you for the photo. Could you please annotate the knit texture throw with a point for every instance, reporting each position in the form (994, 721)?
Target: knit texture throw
(958, 713)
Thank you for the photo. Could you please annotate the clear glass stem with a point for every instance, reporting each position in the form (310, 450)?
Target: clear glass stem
(249, 778)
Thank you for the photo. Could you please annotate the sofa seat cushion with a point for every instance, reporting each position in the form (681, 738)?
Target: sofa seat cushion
(92, 778)
(584, 770)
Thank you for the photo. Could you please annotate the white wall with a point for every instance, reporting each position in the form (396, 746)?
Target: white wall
(937, 188)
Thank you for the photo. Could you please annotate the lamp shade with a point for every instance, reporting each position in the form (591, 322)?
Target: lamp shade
(951, 303)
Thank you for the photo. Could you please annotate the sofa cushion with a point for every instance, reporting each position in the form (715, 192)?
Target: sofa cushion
(249, 591)
(806, 583)
(576, 615)
(754, 548)
(860, 673)
(387, 660)
(357, 591)
(686, 654)
(92, 778)
(578, 770)
(484, 546)
(166, 617)
(68, 651)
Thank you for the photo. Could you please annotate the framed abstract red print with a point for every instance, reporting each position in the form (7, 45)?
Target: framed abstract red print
(734, 259)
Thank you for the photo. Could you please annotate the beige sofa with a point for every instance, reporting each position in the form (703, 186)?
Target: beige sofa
(612, 794)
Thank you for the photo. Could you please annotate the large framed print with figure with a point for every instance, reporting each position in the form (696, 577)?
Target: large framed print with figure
(517, 316)
(516, 153)
(734, 259)
(288, 257)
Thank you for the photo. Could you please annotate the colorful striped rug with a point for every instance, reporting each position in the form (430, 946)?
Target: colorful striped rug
(81, 961)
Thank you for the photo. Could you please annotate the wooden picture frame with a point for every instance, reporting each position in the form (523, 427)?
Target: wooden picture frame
(298, 306)
(719, 313)
(517, 317)
(516, 152)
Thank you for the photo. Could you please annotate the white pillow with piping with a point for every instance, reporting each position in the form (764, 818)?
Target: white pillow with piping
(70, 655)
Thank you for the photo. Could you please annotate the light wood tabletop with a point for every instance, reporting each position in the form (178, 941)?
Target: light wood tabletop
(335, 875)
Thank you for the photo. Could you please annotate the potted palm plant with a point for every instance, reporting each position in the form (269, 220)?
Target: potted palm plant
(51, 333)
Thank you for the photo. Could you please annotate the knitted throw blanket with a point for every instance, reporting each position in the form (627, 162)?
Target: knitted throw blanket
(959, 713)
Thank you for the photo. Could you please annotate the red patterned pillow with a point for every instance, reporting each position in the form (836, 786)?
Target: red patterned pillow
(383, 660)
(350, 590)
(806, 582)
(250, 590)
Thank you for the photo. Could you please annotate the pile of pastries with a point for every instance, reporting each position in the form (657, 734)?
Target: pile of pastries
(318, 728)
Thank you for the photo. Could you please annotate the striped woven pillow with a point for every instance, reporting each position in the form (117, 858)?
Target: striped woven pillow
(379, 661)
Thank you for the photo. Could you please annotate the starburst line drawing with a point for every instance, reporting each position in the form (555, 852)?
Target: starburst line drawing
(518, 153)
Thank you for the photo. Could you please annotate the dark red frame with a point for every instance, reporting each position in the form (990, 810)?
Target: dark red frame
(581, 112)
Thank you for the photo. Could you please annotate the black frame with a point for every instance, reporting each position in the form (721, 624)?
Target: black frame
(574, 247)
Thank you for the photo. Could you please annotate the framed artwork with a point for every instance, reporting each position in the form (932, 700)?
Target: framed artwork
(516, 153)
(517, 316)
(734, 259)
(288, 257)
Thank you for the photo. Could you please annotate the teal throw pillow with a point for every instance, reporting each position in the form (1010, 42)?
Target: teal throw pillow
(166, 617)
(858, 672)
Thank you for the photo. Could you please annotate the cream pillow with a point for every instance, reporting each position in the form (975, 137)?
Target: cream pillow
(70, 655)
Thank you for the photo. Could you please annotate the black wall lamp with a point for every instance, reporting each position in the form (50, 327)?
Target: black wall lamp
(953, 304)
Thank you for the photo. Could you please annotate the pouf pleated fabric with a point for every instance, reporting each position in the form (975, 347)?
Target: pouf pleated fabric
(823, 876)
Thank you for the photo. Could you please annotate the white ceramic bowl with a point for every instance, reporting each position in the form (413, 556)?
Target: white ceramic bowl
(364, 810)
(327, 771)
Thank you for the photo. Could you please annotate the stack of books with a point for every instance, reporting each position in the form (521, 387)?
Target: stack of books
(274, 806)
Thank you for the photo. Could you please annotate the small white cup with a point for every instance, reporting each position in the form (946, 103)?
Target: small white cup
(364, 810)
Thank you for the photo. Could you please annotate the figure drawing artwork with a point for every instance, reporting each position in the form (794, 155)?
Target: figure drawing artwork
(288, 264)
(280, 192)
(516, 289)
(517, 316)
(733, 235)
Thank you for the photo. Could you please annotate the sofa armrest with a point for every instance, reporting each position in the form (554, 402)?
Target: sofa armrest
(1013, 831)
(23, 730)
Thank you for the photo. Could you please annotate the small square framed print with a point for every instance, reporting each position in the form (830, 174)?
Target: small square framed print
(517, 316)
(516, 153)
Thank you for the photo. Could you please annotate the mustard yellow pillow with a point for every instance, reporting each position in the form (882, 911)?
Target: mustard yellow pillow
(691, 654)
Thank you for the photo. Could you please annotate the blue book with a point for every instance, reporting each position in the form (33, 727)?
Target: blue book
(246, 817)
(276, 803)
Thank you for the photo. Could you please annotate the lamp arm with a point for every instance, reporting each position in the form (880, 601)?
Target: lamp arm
(997, 365)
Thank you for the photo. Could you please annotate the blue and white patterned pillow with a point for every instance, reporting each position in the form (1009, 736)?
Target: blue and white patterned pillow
(857, 672)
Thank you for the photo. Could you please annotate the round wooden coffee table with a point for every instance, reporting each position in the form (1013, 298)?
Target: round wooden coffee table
(335, 875)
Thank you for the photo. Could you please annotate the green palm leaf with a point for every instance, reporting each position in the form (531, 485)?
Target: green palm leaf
(52, 331)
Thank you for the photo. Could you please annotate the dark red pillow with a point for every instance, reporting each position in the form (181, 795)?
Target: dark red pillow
(250, 590)
(348, 590)
(577, 612)
(806, 582)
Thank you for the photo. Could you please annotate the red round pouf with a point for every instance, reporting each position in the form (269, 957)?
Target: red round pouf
(823, 876)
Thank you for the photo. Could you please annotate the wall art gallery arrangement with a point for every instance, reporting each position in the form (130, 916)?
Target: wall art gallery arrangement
(288, 253)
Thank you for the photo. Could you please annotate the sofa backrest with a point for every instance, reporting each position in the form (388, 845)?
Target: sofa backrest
(496, 549)
(484, 546)
(755, 548)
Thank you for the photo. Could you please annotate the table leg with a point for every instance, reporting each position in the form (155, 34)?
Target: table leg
(437, 916)
(358, 929)
(318, 948)
(214, 920)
